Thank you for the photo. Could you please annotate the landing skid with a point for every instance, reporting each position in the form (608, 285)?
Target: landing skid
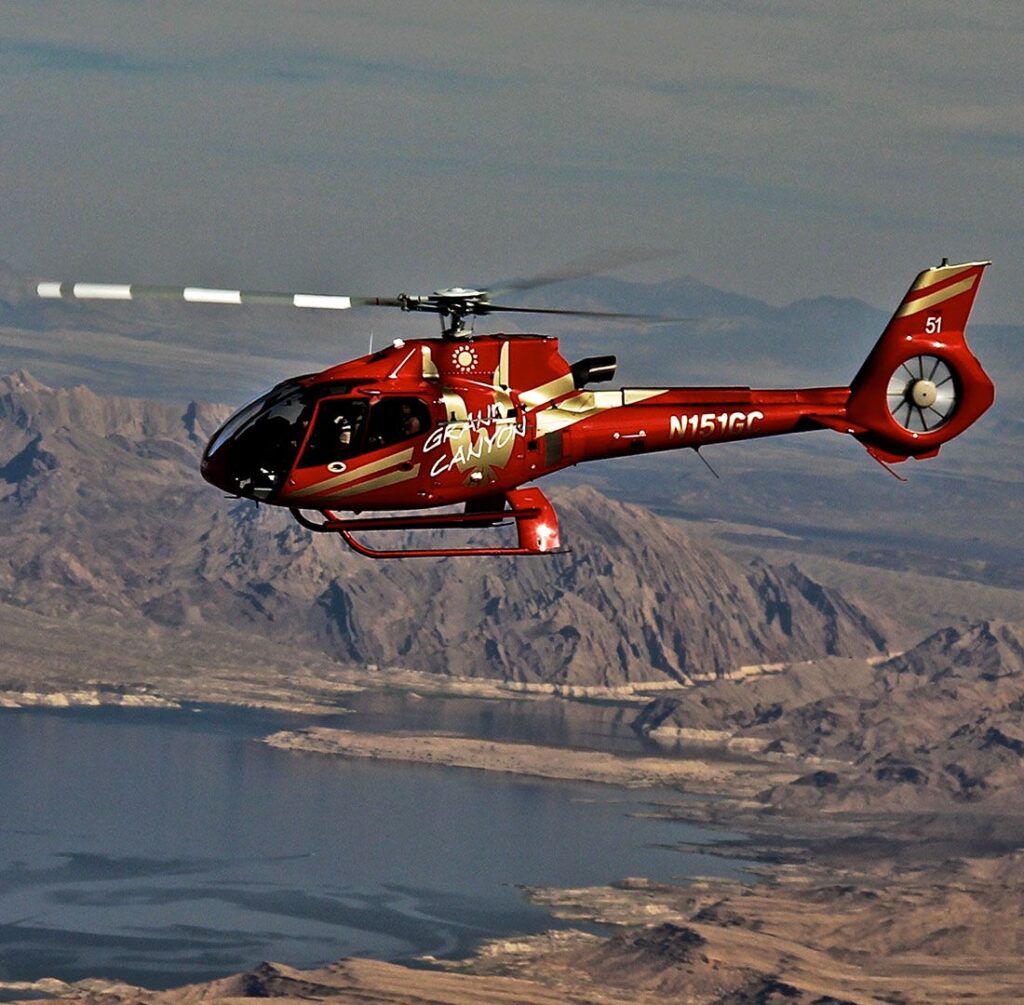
(535, 519)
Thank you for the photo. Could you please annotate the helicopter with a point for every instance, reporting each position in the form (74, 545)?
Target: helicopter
(472, 420)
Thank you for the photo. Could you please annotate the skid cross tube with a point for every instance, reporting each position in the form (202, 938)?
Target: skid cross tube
(333, 524)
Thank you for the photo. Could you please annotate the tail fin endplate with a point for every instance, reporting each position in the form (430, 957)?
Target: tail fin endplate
(921, 385)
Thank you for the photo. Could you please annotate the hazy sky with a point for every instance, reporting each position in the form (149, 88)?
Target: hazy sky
(786, 149)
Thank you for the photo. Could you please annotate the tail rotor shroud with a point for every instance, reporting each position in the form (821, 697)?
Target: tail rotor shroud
(921, 385)
(922, 393)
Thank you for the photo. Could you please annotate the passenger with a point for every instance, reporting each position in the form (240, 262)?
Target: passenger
(411, 424)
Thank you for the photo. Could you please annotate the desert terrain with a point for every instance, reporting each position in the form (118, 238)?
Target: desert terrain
(753, 734)
(849, 702)
(884, 876)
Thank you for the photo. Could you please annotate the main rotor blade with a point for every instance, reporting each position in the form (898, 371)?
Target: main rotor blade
(643, 318)
(207, 295)
(592, 265)
(443, 303)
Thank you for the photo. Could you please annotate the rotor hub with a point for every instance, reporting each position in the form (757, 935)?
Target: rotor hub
(923, 393)
(460, 293)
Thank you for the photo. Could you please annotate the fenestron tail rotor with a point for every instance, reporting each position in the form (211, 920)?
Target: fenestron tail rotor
(922, 393)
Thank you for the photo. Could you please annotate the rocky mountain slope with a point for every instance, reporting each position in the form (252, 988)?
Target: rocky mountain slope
(940, 723)
(104, 520)
(953, 519)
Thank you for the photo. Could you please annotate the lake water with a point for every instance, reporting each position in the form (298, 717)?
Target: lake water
(590, 725)
(167, 847)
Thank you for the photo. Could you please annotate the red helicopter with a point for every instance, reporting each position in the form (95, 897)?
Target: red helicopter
(471, 420)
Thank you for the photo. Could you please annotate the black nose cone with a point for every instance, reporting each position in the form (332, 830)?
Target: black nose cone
(214, 470)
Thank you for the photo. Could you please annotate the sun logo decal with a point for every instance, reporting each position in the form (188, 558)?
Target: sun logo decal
(464, 359)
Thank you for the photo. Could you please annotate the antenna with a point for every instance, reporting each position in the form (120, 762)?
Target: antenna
(707, 463)
(887, 467)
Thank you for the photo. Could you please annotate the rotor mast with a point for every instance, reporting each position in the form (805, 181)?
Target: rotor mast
(452, 306)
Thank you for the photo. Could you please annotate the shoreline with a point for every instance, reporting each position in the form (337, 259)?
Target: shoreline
(320, 684)
(535, 760)
(855, 908)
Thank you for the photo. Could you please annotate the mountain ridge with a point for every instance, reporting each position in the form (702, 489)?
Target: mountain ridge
(102, 511)
(937, 724)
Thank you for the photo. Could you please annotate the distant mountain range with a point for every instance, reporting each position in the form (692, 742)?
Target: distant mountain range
(957, 517)
(104, 521)
(174, 351)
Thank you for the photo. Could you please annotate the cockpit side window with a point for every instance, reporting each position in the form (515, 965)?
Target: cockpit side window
(337, 432)
(344, 427)
(393, 420)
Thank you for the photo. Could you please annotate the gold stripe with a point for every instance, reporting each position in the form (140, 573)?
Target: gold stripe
(923, 303)
(391, 478)
(545, 392)
(501, 377)
(553, 419)
(582, 402)
(585, 404)
(427, 367)
(937, 275)
(454, 406)
(350, 476)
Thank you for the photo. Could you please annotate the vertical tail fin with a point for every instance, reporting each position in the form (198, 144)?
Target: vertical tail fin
(920, 386)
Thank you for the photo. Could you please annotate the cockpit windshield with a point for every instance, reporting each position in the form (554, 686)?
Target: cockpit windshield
(256, 447)
(235, 423)
(253, 452)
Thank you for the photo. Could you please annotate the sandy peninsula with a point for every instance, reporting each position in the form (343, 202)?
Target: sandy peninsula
(537, 761)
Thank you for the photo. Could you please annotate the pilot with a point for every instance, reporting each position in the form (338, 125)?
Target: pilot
(344, 431)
